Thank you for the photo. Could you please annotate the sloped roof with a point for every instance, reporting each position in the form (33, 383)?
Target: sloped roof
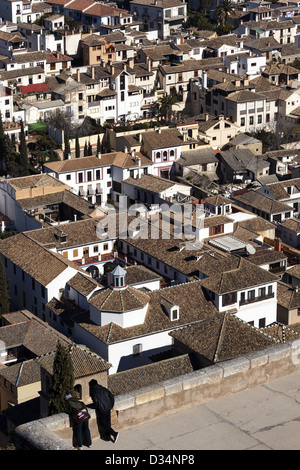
(192, 303)
(223, 337)
(119, 300)
(84, 361)
(133, 379)
(35, 88)
(238, 273)
(259, 201)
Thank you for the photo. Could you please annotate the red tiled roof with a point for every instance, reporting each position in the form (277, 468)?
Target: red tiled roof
(56, 57)
(36, 88)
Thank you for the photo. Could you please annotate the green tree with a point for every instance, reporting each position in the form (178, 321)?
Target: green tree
(224, 11)
(77, 147)
(62, 379)
(86, 150)
(166, 103)
(4, 296)
(23, 152)
(98, 145)
(108, 144)
(67, 150)
(5, 149)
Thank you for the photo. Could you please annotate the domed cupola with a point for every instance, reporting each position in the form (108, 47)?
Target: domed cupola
(117, 278)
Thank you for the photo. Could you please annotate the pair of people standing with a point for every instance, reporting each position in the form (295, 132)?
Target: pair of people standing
(103, 401)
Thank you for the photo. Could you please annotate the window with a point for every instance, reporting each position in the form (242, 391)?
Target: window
(96, 249)
(98, 175)
(105, 247)
(157, 154)
(89, 176)
(242, 121)
(122, 96)
(229, 299)
(80, 177)
(251, 294)
(68, 177)
(261, 292)
(174, 314)
(270, 290)
(262, 322)
(217, 229)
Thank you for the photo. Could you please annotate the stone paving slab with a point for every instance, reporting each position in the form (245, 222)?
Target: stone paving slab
(265, 417)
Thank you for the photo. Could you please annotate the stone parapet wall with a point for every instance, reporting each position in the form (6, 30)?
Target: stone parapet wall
(138, 406)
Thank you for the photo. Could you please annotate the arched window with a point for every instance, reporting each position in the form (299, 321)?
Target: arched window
(157, 154)
(172, 153)
(165, 155)
(78, 390)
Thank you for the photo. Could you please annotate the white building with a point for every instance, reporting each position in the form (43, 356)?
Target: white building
(129, 326)
(18, 11)
(243, 288)
(35, 275)
(245, 64)
(164, 16)
(99, 178)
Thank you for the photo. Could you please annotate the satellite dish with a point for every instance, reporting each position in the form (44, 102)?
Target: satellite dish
(250, 249)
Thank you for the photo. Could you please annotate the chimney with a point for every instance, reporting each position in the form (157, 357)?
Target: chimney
(149, 64)
(131, 62)
(206, 116)
(93, 72)
(132, 153)
(78, 75)
(99, 155)
(110, 67)
(125, 150)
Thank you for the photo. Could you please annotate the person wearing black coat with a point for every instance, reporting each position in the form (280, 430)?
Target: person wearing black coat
(104, 401)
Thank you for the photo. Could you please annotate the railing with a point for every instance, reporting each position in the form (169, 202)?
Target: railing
(257, 299)
(278, 269)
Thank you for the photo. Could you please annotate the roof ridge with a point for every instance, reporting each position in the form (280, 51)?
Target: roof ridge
(219, 342)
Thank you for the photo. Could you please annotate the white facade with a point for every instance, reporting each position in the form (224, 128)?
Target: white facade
(18, 12)
(159, 17)
(243, 64)
(256, 305)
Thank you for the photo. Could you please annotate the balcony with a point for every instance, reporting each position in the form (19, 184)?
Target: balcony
(257, 299)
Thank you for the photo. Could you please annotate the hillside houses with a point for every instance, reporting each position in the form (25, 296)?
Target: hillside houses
(165, 219)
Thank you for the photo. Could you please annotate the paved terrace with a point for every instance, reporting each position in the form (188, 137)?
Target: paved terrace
(251, 402)
(264, 418)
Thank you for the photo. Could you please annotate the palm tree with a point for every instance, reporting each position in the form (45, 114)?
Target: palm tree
(165, 104)
(224, 11)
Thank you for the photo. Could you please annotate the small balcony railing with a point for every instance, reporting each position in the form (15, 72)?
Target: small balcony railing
(257, 299)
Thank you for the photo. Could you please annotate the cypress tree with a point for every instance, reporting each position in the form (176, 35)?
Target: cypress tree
(4, 296)
(77, 148)
(67, 150)
(108, 145)
(62, 380)
(23, 153)
(90, 149)
(5, 148)
(85, 151)
(98, 145)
